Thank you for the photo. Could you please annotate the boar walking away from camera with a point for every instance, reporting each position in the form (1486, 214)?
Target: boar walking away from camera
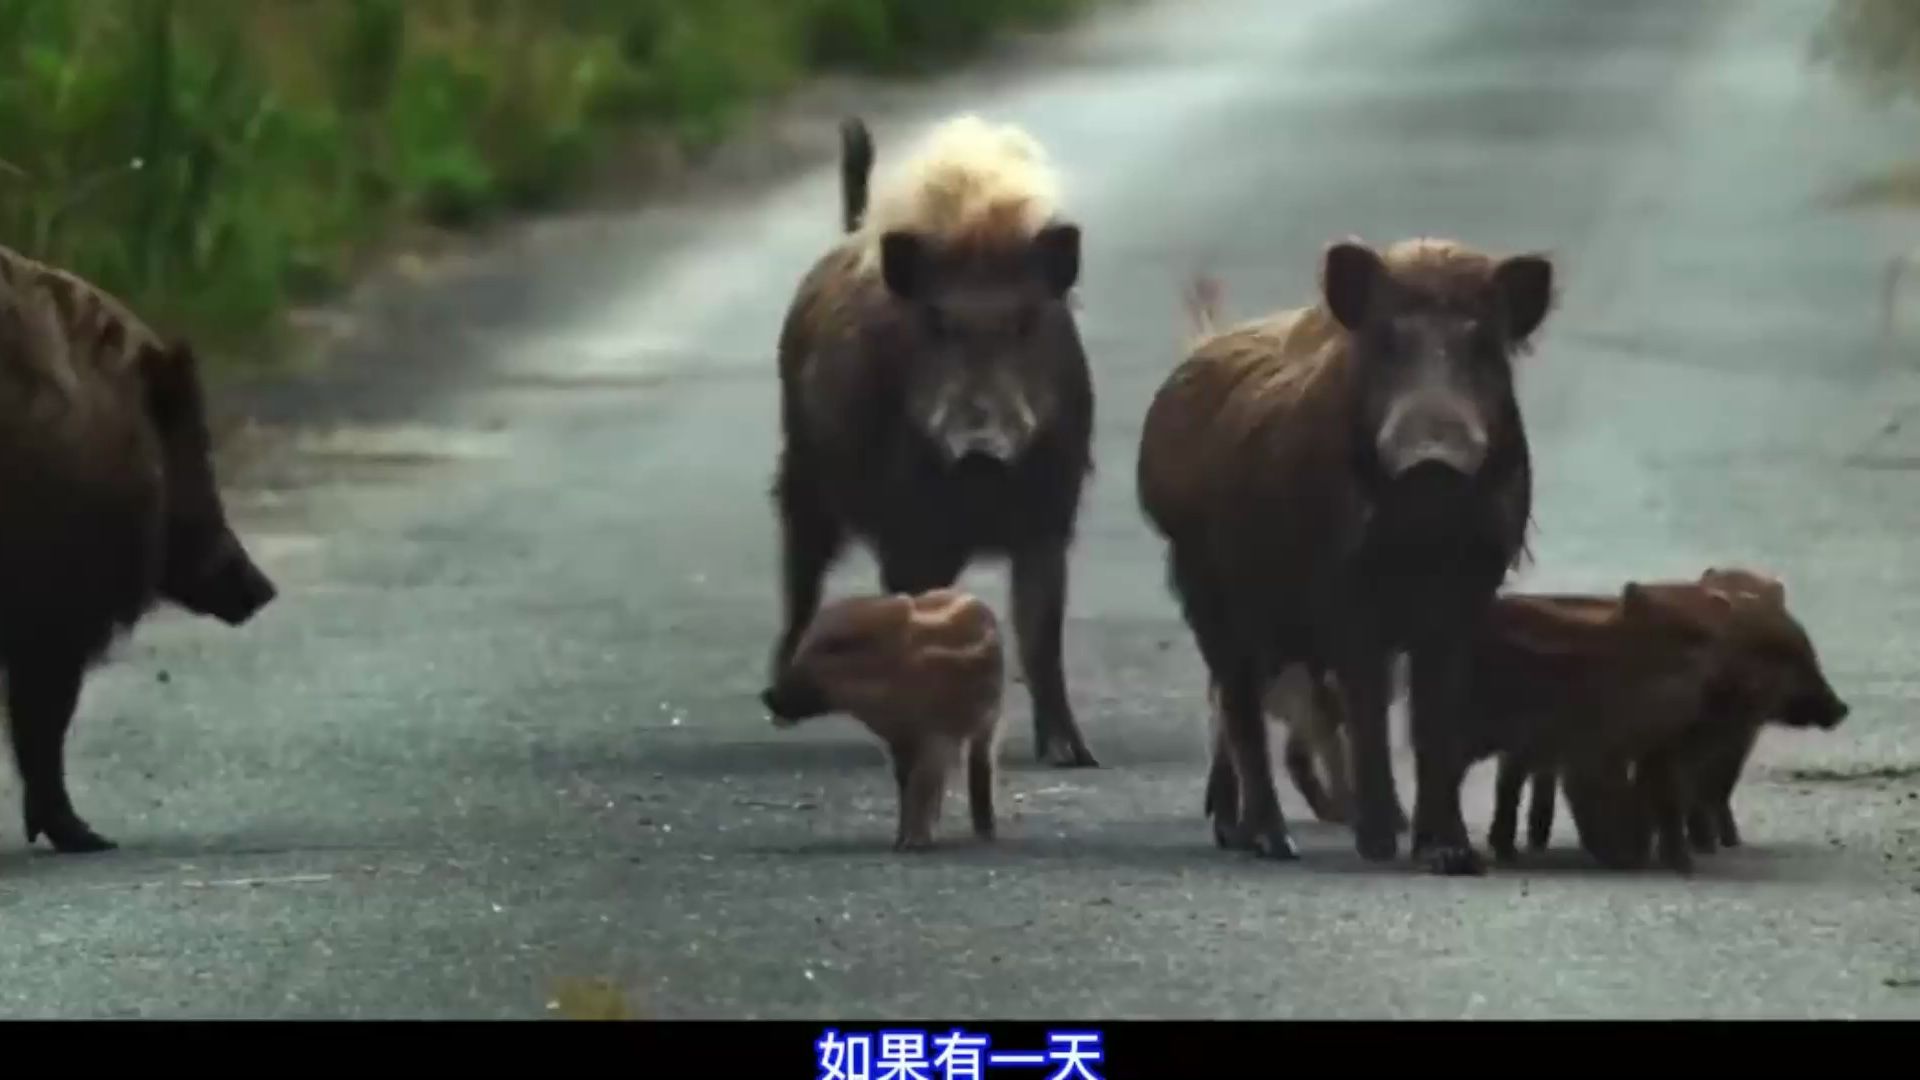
(924, 673)
(1765, 671)
(936, 402)
(1339, 483)
(110, 508)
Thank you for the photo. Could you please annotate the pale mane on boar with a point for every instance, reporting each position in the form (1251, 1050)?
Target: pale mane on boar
(1339, 483)
(111, 507)
(936, 403)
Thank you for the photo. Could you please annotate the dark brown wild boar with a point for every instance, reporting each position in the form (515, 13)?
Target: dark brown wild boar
(1340, 483)
(935, 398)
(924, 673)
(1767, 672)
(110, 507)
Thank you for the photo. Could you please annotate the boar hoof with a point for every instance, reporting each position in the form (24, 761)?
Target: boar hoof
(1067, 754)
(1455, 860)
(1676, 858)
(1375, 844)
(1269, 842)
(68, 837)
(1276, 843)
(1226, 835)
(913, 844)
(1504, 851)
(1729, 832)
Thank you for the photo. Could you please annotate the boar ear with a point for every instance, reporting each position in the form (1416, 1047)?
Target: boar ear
(1775, 593)
(1633, 600)
(1350, 274)
(903, 264)
(1057, 249)
(1721, 599)
(1525, 284)
(172, 380)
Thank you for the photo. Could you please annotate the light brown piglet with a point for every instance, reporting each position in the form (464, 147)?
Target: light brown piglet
(923, 672)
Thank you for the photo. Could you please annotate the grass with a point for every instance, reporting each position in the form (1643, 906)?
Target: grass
(215, 161)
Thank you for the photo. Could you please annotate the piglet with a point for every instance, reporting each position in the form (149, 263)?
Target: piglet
(924, 673)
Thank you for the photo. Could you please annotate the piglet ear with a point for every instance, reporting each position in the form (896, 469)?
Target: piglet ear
(1350, 276)
(903, 264)
(1057, 250)
(1525, 284)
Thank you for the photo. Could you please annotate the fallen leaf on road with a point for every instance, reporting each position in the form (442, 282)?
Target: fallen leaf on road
(765, 804)
(292, 879)
(589, 999)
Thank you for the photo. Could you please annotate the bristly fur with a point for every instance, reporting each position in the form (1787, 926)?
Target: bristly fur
(110, 507)
(968, 183)
(67, 318)
(1255, 470)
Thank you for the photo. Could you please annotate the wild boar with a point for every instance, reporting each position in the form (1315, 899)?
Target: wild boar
(1592, 685)
(1342, 482)
(936, 402)
(111, 508)
(1775, 676)
(1767, 672)
(921, 672)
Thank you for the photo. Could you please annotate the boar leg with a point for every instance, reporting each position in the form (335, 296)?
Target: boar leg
(1439, 828)
(1039, 610)
(1261, 827)
(1717, 790)
(930, 764)
(1223, 791)
(1377, 812)
(1301, 767)
(980, 785)
(1663, 794)
(1607, 815)
(810, 541)
(42, 694)
(1510, 777)
(1540, 810)
(1326, 738)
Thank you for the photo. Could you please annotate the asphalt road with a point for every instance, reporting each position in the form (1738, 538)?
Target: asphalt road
(501, 727)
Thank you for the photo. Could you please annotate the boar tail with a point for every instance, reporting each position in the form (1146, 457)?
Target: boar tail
(1203, 304)
(856, 169)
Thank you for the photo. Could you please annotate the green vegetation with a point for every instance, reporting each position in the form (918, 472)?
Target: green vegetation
(1876, 42)
(212, 160)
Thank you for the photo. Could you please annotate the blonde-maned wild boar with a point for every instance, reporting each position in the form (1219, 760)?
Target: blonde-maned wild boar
(1342, 482)
(1766, 671)
(110, 506)
(924, 673)
(935, 398)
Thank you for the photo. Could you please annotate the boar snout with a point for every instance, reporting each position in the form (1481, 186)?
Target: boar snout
(793, 699)
(231, 588)
(1825, 711)
(987, 426)
(1424, 431)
